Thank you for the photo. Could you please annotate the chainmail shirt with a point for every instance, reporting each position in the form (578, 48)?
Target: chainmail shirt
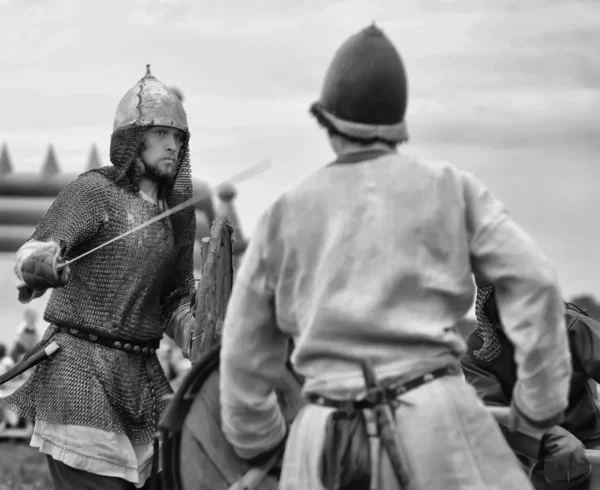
(128, 290)
(486, 327)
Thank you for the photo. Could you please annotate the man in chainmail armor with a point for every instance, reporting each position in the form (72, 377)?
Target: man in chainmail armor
(373, 256)
(96, 402)
(557, 458)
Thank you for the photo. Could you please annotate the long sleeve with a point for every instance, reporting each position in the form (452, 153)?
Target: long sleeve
(176, 312)
(489, 389)
(75, 216)
(70, 221)
(253, 356)
(529, 302)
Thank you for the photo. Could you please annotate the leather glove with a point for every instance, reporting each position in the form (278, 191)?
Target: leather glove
(40, 271)
(565, 462)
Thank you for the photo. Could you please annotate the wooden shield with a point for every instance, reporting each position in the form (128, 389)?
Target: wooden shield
(196, 455)
(214, 288)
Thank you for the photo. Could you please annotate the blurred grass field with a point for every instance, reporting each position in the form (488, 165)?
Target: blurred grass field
(23, 467)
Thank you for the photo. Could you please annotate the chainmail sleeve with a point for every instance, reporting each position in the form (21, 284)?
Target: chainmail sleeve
(180, 282)
(76, 215)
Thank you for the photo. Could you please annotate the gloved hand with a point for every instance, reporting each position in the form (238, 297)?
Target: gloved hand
(40, 271)
(565, 462)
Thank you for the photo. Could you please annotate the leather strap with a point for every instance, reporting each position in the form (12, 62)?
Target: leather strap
(393, 391)
(144, 348)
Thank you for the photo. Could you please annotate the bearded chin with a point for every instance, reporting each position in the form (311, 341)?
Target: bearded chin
(165, 179)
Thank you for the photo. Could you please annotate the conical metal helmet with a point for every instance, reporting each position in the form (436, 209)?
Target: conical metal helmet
(150, 103)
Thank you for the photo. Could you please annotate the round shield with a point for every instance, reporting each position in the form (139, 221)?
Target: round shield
(196, 455)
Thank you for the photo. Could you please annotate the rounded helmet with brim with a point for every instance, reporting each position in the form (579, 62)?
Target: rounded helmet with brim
(365, 91)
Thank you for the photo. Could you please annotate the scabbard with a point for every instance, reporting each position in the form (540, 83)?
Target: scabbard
(391, 443)
(32, 358)
(386, 425)
(374, 448)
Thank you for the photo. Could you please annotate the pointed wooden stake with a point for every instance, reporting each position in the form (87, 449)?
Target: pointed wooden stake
(94, 160)
(50, 167)
(6, 166)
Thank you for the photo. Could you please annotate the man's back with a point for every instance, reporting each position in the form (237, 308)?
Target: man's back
(373, 257)
(376, 250)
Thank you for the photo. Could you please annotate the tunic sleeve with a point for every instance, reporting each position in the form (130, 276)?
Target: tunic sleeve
(529, 302)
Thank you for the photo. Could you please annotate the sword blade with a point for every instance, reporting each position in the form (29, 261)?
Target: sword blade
(236, 179)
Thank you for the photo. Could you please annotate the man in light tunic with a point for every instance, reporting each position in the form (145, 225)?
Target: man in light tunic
(373, 257)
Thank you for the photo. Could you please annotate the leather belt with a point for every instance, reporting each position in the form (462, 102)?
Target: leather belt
(141, 348)
(393, 391)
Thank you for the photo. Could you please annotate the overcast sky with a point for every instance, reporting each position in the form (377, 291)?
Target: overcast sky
(508, 90)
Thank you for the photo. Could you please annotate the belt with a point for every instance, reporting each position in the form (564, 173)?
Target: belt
(142, 348)
(145, 349)
(392, 391)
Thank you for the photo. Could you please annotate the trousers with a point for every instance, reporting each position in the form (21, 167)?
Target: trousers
(65, 477)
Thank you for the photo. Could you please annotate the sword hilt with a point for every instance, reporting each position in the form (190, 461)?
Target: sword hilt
(375, 393)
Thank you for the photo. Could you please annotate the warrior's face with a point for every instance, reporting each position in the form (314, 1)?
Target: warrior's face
(160, 153)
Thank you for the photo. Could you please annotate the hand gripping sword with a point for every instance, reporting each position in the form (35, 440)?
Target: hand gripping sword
(236, 179)
(39, 352)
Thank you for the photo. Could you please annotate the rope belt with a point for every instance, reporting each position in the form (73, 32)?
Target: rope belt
(393, 390)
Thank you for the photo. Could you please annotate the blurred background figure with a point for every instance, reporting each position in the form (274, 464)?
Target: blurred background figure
(5, 362)
(8, 419)
(27, 335)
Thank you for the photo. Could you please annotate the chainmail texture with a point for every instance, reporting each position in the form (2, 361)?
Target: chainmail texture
(486, 326)
(128, 290)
